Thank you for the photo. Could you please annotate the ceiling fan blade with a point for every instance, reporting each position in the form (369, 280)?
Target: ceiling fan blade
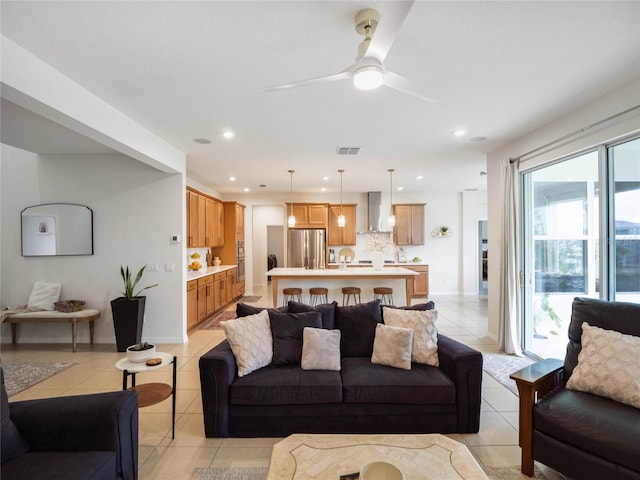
(387, 30)
(303, 83)
(404, 85)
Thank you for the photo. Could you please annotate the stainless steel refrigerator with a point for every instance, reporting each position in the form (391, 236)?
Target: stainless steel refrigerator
(306, 248)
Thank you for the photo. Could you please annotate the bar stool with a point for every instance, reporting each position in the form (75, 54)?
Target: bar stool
(293, 293)
(318, 295)
(348, 292)
(385, 294)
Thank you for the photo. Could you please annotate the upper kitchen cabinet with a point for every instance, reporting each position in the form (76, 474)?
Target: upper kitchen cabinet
(342, 235)
(409, 229)
(205, 220)
(309, 215)
(239, 217)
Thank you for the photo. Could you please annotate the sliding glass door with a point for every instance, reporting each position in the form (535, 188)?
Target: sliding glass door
(567, 219)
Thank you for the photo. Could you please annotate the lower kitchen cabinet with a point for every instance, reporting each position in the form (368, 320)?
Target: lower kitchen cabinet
(207, 295)
(421, 282)
(206, 303)
(192, 304)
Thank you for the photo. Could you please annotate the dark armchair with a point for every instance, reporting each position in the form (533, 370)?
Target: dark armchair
(83, 437)
(581, 435)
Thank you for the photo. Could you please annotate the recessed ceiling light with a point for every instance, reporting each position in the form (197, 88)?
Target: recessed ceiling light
(400, 189)
(228, 134)
(323, 189)
(419, 177)
(325, 178)
(203, 141)
(459, 132)
(232, 179)
(246, 189)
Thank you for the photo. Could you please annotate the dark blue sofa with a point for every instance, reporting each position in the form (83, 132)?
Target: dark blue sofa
(361, 398)
(83, 437)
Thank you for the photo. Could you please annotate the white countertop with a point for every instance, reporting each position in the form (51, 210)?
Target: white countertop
(362, 271)
(395, 264)
(193, 275)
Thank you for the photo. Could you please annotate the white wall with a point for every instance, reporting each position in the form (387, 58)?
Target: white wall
(610, 104)
(136, 208)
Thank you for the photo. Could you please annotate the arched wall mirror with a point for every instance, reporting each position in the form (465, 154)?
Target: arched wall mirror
(57, 229)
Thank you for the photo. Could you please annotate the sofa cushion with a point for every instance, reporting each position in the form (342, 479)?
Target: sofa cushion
(608, 365)
(598, 425)
(286, 329)
(357, 324)
(392, 346)
(365, 382)
(251, 341)
(425, 332)
(11, 442)
(243, 310)
(57, 465)
(327, 310)
(320, 349)
(287, 385)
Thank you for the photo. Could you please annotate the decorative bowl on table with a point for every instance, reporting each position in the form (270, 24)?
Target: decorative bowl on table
(141, 352)
(380, 471)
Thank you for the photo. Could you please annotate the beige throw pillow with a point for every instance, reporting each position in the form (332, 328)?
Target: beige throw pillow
(320, 349)
(44, 295)
(425, 332)
(251, 341)
(392, 346)
(608, 365)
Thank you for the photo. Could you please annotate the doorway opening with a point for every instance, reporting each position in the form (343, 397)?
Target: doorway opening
(275, 247)
(483, 246)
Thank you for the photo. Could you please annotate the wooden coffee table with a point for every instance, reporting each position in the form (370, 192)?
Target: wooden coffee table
(420, 457)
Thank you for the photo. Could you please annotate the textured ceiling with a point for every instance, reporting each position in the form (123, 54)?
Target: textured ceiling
(189, 70)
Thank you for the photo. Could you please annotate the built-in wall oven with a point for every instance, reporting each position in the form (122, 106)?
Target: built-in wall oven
(240, 262)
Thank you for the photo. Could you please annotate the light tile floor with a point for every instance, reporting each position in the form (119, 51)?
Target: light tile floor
(461, 317)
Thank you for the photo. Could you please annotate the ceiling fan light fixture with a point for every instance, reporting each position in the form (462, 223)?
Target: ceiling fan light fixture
(368, 77)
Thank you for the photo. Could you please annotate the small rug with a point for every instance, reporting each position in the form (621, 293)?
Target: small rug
(19, 376)
(229, 474)
(214, 322)
(249, 299)
(500, 366)
(494, 473)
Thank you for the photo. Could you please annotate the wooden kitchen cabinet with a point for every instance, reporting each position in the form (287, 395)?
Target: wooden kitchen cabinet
(206, 298)
(342, 235)
(205, 220)
(239, 222)
(421, 282)
(192, 304)
(409, 228)
(309, 215)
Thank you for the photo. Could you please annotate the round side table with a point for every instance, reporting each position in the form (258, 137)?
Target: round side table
(151, 393)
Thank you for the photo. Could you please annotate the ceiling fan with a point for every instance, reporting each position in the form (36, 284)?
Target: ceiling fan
(368, 70)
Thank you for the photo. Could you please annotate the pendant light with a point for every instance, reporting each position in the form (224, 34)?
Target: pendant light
(392, 218)
(341, 220)
(291, 221)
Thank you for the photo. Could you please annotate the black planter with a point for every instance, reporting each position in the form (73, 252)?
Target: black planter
(128, 316)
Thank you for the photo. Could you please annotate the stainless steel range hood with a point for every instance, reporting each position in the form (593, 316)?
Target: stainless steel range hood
(374, 205)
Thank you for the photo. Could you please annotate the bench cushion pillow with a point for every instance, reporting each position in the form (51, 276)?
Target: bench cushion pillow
(43, 296)
(286, 329)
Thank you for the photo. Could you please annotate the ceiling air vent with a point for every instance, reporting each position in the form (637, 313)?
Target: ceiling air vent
(347, 150)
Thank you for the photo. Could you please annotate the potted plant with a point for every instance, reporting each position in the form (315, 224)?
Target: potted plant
(128, 310)
(140, 352)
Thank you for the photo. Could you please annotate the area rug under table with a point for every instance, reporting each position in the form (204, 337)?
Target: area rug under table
(494, 473)
(214, 322)
(500, 366)
(19, 376)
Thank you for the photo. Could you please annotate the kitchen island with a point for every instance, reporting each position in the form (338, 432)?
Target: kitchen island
(398, 278)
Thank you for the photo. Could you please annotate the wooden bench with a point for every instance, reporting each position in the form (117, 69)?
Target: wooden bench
(85, 315)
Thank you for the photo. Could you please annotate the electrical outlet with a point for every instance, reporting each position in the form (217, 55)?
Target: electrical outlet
(153, 267)
(169, 267)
